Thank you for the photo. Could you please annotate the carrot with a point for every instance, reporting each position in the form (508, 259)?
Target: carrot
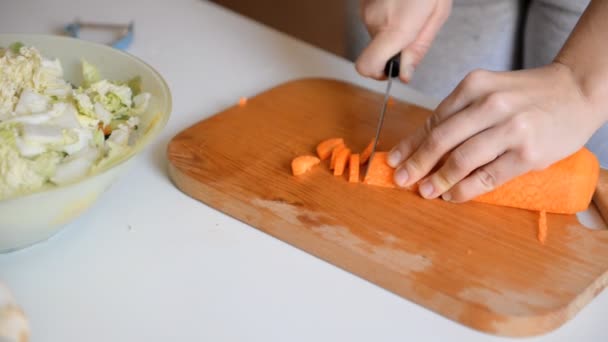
(334, 154)
(367, 152)
(341, 161)
(325, 147)
(379, 173)
(542, 226)
(242, 101)
(302, 164)
(566, 187)
(107, 130)
(353, 168)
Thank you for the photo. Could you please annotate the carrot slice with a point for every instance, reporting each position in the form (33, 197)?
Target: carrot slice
(566, 187)
(367, 152)
(334, 154)
(353, 168)
(325, 147)
(379, 173)
(242, 101)
(542, 226)
(301, 164)
(341, 161)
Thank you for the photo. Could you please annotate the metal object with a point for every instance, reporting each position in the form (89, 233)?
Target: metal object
(122, 42)
(391, 70)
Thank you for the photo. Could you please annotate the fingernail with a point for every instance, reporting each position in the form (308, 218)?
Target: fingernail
(407, 65)
(401, 177)
(426, 189)
(394, 158)
(408, 71)
(447, 197)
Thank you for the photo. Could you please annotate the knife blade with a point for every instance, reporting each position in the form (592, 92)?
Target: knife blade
(391, 70)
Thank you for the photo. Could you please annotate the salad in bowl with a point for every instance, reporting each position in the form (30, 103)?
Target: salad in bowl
(67, 128)
(53, 133)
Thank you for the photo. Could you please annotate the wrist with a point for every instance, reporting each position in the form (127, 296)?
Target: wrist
(592, 86)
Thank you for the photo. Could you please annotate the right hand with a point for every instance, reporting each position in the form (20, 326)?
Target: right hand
(406, 26)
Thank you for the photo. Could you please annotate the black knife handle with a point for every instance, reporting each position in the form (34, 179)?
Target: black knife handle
(396, 61)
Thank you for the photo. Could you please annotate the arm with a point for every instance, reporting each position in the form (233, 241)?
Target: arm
(585, 53)
(498, 125)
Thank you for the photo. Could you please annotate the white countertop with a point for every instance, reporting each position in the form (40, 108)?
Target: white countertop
(185, 272)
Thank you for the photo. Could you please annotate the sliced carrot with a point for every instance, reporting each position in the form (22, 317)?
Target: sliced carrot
(242, 101)
(367, 152)
(302, 164)
(325, 147)
(566, 187)
(542, 226)
(379, 173)
(334, 154)
(353, 168)
(341, 161)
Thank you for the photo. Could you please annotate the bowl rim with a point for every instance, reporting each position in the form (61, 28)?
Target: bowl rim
(157, 122)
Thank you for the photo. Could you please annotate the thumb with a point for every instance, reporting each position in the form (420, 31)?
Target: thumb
(384, 45)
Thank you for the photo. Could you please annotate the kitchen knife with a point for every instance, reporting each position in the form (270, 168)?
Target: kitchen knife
(391, 70)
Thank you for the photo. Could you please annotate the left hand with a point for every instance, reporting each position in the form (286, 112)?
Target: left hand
(493, 127)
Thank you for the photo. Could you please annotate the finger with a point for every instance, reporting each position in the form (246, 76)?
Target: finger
(413, 54)
(453, 131)
(407, 146)
(487, 178)
(475, 152)
(383, 47)
(475, 84)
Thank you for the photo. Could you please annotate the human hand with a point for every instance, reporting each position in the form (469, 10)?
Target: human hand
(13, 324)
(406, 26)
(493, 127)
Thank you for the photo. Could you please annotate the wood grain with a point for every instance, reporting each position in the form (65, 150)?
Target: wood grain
(477, 264)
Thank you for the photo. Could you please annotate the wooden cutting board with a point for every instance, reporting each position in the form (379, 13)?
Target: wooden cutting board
(477, 264)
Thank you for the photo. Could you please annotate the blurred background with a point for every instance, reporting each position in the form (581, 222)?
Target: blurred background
(337, 26)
